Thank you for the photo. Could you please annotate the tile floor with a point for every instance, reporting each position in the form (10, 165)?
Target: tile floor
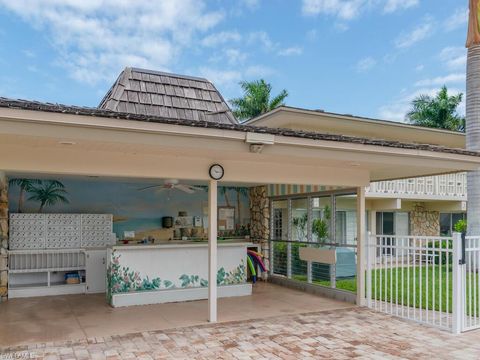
(76, 317)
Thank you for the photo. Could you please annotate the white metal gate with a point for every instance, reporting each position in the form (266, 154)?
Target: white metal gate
(432, 280)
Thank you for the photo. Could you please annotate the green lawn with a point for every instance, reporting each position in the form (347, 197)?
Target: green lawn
(386, 284)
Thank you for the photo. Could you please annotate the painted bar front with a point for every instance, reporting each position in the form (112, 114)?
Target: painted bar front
(151, 274)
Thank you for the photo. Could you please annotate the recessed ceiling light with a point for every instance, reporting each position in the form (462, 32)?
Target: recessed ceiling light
(66, 142)
(354, 164)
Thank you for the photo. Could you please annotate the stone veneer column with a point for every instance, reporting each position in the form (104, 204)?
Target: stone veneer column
(3, 237)
(260, 219)
(424, 222)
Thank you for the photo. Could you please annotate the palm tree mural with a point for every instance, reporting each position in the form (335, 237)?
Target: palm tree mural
(48, 193)
(25, 185)
(256, 99)
(473, 115)
(241, 192)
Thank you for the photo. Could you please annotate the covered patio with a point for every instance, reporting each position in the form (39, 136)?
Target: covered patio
(51, 140)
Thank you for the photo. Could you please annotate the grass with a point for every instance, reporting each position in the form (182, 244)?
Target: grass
(386, 286)
(343, 284)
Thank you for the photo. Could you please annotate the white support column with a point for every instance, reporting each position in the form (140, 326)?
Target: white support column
(212, 251)
(289, 238)
(371, 255)
(309, 235)
(458, 288)
(361, 234)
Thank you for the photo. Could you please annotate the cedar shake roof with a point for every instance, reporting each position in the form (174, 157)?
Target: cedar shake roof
(154, 93)
(85, 111)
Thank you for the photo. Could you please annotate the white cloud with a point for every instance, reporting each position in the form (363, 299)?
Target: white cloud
(394, 5)
(454, 57)
(95, 39)
(261, 38)
(290, 51)
(221, 77)
(29, 53)
(454, 78)
(458, 19)
(366, 64)
(229, 78)
(398, 108)
(235, 56)
(419, 67)
(343, 9)
(350, 9)
(251, 4)
(221, 38)
(258, 71)
(312, 34)
(419, 33)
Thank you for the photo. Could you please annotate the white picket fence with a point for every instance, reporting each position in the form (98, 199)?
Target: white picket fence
(431, 280)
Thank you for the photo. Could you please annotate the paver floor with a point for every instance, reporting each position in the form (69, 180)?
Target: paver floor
(335, 334)
(74, 317)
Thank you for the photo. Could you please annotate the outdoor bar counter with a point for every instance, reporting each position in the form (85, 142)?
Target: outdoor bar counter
(174, 271)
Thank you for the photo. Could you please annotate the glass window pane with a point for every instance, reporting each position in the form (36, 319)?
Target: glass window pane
(346, 219)
(299, 219)
(456, 218)
(445, 224)
(388, 223)
(280, 219)
(321, 219)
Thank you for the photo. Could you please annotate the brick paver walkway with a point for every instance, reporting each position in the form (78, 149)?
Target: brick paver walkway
(339, 334)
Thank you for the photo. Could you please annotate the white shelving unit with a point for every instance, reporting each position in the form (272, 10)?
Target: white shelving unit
(44, 247)
(42, 272)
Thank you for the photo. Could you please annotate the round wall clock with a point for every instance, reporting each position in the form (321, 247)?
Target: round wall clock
(216, 171)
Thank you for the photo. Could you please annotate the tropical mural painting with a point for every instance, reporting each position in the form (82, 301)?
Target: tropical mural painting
(137, 207)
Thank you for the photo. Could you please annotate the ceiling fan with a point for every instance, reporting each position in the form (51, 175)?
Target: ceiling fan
(170, 184)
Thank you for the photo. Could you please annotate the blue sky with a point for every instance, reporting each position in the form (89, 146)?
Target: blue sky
(362, 57)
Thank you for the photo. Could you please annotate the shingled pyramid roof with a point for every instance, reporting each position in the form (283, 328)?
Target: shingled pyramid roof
(154, 93)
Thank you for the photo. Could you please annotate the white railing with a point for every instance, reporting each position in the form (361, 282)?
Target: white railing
(432, 280)
(440, 185)
(411, 277)
(471, 284)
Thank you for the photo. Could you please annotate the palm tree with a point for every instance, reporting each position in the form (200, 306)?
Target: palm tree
(437, 112)
(256, 99)
(241, 191)
(223, 190)
(25, 185)
(49, 193)
(473, 116)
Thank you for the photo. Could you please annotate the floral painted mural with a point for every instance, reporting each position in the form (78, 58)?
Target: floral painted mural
(121, 279)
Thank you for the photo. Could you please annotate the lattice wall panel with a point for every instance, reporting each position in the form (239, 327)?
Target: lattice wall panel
(60, 231)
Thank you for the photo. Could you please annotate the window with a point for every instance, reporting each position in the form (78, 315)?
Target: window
(448, 221)
(279, 230)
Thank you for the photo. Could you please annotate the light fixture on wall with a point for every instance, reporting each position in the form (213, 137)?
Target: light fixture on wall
(256, 148)
(67, 142)
(258, 140)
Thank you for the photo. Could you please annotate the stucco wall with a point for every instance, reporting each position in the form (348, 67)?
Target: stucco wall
(3, 236)
(424, 222)
(260, 219)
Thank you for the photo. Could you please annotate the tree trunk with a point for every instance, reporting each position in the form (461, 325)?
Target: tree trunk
(41, 207)
(473, 137)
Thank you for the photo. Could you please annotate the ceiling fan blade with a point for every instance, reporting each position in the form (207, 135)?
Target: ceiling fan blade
(150, 187)
(199, 188)
(184, 188)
